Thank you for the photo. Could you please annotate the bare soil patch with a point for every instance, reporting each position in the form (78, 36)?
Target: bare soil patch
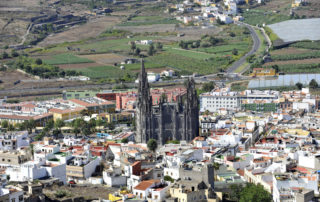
(9, 77)
(193, 33)
(88, 192)
(307, 61)
(105, 59)
(92, 28)
(79, 66)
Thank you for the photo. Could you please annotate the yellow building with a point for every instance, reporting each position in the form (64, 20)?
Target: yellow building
(263, 72)
(40, 120)
(114, 197)
(65, 114)
(116, 117)
(194, 193)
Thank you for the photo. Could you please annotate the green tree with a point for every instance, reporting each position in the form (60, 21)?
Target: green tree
(58, 124)
(56, 132)
(235, 51)
(5, 55)
(159, 46)
(125, 140)
(99, 122)
(14, 53)
(299, 85)
(38, 61)
(5, 124)
(84, 112)
(206, 112)
(133, 46)
(31, 124)
(253, 193)
(111, 126)
(313, 84)
(207, 87)
(49, 125)
(20, 126)
(168, 178)
(152, 145)
(276, 68)
(183, 45)
(235, 192)
(10, 127)
(137, 52)
(151, 50)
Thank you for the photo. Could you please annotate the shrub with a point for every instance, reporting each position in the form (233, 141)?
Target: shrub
(168, 178)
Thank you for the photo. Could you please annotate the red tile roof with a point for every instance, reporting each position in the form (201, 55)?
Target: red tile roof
(146, 184)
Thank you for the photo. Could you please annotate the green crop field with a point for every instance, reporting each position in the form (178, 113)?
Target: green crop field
(189, 53)
(102, 72)
(114, 71)
(300, 68)
(66, 58)
(190, 65)
(301, 56)
(315, 45)
(259, 17)
(226, 49)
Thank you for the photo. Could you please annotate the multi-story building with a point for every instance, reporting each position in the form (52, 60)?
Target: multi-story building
(81, 166)
(14, 158)
(218, 99)
(14, 140)
(116, 117)
(127, 100)
(226, 99)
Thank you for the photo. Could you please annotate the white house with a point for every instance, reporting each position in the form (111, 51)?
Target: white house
(150, 189)
(30, 171)
(113, 177)
(153, 77)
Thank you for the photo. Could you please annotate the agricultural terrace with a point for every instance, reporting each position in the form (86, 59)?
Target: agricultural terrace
(299, 57)
(97, 58)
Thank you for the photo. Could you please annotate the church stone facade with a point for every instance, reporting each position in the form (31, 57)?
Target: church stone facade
(166, 121)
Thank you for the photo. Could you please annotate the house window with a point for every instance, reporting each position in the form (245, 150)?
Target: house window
(21, 198)
(13, 200)
(156, 197)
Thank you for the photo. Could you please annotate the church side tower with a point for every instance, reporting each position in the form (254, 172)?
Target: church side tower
(191, 111)
(144, 108)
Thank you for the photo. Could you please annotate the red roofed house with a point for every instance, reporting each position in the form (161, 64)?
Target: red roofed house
(152, 190)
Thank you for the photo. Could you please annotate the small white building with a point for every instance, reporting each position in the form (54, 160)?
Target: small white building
(113, 177)
(152, 190)
(153, 77)
(30, 171)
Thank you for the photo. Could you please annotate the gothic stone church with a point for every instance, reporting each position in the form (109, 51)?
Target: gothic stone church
(166, 121)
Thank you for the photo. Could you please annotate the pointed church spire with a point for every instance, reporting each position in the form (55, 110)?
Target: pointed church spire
(142, 66)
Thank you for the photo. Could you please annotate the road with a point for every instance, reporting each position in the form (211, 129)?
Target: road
(255, 48)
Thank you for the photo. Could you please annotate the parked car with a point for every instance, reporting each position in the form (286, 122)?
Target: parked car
(72, 182)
